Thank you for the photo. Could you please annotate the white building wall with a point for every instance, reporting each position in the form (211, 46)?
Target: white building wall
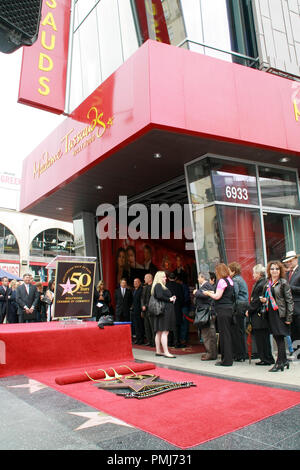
(25, 227)
(278, 34)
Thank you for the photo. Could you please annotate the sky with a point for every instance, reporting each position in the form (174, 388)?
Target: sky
(22, 127)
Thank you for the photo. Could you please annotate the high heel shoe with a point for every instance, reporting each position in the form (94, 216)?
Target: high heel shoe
(277, 367)
(286, 364)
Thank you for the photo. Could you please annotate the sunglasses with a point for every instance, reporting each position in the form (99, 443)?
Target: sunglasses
(274, 269)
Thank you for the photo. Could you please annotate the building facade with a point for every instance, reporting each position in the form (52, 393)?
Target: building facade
(29, 243)
(189, 102)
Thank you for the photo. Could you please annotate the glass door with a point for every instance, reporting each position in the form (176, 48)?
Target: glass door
(278, 235)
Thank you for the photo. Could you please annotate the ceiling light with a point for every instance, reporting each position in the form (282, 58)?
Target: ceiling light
(157, 155)
(60, 208)
(99, 186)
(284, 159)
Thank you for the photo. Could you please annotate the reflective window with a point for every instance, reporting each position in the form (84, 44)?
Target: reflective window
(218, 180)
(82, 9)
(109, 36)
(278, 234)
(90, 54)
(239, 230)
(207, 23)
(128, 29)
(52, 242)
(76, 85)
(296, 231)
(8, 241)
(278, 188)
(207, 238)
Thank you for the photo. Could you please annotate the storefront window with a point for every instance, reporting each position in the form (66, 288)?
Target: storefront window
(219, 180)
(234, 182)
(8, 241)
(52, 242)
(240, 231)
(221, 188)
(278, 188)
(208, 243)
(278, 234)
(296, 231)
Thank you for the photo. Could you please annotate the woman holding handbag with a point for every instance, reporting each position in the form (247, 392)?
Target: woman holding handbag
(166, 321)
(279, 305)
(224, 298)
(257, 316)
(208, 332)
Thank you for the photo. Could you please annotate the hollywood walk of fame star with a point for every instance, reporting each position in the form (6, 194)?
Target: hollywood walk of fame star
(97, 418)
(67, 287)
(32, 385)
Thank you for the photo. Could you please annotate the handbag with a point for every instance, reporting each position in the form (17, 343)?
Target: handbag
(46, 300)
(155, 306)
(105, 320)
(202, 317)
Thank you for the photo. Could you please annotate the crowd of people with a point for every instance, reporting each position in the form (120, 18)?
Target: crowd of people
(273, 303)
(25, 301)
(272, 308)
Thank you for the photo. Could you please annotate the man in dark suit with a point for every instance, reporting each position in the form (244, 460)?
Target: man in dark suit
(27, 298)
(148, 317)
(176, 289)
(123, 299)
(137, 319)
(293, 277)
(5, 299)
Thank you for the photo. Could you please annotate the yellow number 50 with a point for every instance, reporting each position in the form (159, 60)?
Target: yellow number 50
(79, 278)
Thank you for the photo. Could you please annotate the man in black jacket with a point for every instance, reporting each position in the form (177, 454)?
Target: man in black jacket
(176, 289)
(5, 299)
(293, 277)
(27, 298)
(137, 319)
(148, 318)
(123, 298)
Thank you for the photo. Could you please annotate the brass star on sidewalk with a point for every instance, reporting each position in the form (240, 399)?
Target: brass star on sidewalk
(97, 418)
(32, 385)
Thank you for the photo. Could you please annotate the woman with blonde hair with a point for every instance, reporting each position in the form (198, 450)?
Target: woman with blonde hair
(103, 299)
(166, 321)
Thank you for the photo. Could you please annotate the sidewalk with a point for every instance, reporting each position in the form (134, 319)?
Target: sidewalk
(244, 371)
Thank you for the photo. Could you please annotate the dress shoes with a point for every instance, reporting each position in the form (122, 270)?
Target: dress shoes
(264, 363)
(222, 364)
(207, 358)
(277, 367)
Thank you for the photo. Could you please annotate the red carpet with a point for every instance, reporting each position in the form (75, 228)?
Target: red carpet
(44, 346)
(186, 417)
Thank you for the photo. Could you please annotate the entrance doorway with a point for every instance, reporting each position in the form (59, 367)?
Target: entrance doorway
(281, 234)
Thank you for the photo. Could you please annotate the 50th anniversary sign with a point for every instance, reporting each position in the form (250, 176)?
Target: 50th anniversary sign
(74, 289)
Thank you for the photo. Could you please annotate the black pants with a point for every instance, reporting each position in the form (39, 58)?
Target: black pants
(238, 333)
(224, 315)
(295, 327)
(139, 326)
(281, 357)
(263, 344)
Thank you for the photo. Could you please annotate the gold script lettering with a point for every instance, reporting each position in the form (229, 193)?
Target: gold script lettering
(296, 110)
